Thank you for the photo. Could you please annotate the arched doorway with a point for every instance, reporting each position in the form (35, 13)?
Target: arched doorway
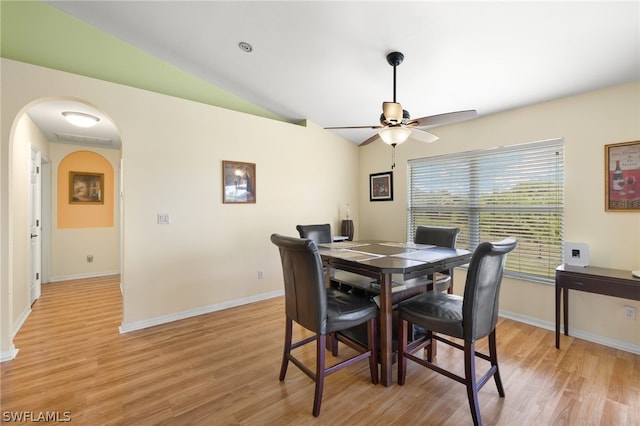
(40, 138)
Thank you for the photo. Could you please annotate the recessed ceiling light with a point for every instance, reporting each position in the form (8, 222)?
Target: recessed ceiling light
(80, 119)
(245, 47)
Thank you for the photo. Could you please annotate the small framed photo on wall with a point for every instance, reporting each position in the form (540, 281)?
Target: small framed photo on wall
(381, 186)
(238, 182)
(622, 176)
(86, 188)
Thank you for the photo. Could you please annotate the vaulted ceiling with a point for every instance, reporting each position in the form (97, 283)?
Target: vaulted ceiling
(325, 60)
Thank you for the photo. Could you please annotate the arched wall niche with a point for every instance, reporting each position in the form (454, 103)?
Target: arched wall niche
(85, 191)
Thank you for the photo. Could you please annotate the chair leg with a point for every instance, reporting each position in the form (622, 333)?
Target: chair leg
(287, 347)
(372, 345)
(470, 379)
(333, 344)
(430, 347)
(493, 358)
(320, 369)
(402, 348)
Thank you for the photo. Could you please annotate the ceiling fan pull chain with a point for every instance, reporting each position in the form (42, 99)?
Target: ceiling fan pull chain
(393, 156)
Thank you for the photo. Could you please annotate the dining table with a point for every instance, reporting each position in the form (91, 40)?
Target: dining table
(389, 266)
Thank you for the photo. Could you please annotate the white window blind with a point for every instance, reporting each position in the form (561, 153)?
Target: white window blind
(492, 194)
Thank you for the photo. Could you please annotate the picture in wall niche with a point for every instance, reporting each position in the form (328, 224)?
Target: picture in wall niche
(622, 174)
(381, 186)
(238, 182)
(86, 188)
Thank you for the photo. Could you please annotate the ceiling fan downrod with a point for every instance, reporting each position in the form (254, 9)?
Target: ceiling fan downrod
(394, 59)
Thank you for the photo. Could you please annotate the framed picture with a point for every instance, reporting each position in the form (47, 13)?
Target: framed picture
(238, 182)
(381, 186)
(622, 176)
(86, 188)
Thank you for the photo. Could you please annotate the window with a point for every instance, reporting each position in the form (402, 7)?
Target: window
(492, 194)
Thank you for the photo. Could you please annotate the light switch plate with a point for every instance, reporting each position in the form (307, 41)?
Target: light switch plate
(164, 218)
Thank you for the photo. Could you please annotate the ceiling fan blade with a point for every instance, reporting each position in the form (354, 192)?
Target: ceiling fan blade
(423, 136)
(373, 138)
(442, 119)
(353, 127)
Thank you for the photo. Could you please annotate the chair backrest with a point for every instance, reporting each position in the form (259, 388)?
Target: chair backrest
(318, 233)
(443, 236)
(482, 289)
(304, 287)
(437, 235)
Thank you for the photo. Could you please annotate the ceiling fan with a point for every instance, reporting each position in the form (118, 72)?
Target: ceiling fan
(396, 124)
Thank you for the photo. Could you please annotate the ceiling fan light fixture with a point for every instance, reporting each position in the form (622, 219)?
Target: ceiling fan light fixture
(80, 119)
(394, 135)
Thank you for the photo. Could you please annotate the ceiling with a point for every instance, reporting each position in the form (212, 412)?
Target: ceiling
(49, 119)
(325, 60)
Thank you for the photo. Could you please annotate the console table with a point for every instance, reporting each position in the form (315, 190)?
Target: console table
(609, 282)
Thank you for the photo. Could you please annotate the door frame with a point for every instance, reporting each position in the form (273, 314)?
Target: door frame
(45, 207)
(35, 229)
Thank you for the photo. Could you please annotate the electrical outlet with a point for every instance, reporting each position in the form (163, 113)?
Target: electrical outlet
(630, 313)
(260, 275)
(90, 258)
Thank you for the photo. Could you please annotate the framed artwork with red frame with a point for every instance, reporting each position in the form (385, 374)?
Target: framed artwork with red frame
(622, 176)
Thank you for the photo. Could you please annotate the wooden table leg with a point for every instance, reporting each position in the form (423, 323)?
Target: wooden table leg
(386, 330)
(565, 307)
(558, 296)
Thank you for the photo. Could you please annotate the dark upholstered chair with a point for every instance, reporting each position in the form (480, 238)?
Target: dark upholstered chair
(322, 234)
(321, 310)
(318, 233)
(443, 237)
(469, 318)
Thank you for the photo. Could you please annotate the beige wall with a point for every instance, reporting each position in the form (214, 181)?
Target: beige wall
(173, 149)
(586, 122)
(211, 253)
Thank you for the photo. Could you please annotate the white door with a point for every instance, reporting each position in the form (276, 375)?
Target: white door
(35, 221)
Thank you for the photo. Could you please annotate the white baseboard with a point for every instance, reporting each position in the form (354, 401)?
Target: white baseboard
(9, 355)
(57, 278)
(584, 335)
(18, 324)
(139, 325)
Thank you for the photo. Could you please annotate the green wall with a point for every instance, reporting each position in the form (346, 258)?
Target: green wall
(39, 34)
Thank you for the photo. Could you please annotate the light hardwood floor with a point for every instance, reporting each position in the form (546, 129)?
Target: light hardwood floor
(222, 369)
